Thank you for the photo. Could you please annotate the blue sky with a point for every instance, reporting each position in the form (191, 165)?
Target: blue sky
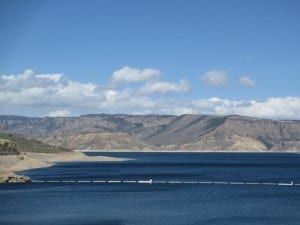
(233, 56)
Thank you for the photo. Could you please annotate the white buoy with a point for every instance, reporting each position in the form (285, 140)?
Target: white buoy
(145, 181)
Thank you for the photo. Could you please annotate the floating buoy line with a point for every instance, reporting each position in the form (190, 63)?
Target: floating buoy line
(168, 182)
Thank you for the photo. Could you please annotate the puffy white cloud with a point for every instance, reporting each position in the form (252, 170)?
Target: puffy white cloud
(49, 92)
(29, 89)
(51, 77)
(110, 95)
(163, 87)
(274, 108)
(215, 78)
(288, 107)
(247, 81)
(60, 113)
(125, 101)
(129, 75)
(39, 94)
(182, 110)
(27, 79)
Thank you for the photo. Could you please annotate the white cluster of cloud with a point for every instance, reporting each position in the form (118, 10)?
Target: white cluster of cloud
(219, 78)
(29, 89)
(247, 81)
(56, 95)
(59, 113)
(61, 96)
(129, 75)
(215, 78)
(276, 108)
(163, 87)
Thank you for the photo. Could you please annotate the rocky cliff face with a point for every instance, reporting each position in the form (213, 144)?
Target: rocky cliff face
(193, 132)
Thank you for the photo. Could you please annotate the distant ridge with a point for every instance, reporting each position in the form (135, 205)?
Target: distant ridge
(166, 132)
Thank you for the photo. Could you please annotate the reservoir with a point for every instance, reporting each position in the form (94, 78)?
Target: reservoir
(185, 188)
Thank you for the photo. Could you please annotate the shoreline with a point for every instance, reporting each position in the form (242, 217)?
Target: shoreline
(11, 165)
(188, 151)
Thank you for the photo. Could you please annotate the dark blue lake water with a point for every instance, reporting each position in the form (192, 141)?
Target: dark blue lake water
(165, 204)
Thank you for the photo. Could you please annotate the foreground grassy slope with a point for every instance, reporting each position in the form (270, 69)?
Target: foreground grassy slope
(14, 144)
(8, 147)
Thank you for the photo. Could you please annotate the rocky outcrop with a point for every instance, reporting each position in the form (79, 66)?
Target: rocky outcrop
(16, 179)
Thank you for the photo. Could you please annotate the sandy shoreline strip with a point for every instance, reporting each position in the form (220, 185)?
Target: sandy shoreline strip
(10, 164)
(189, 151)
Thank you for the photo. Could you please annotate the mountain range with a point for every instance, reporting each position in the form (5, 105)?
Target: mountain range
(163, 132)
